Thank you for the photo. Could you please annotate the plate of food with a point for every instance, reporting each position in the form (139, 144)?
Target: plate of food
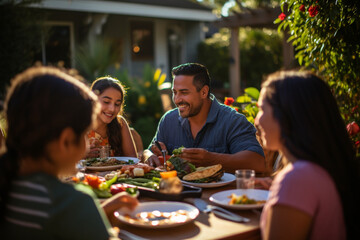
(107, 164)
(163, 214)
(209, 177)
(241, 198)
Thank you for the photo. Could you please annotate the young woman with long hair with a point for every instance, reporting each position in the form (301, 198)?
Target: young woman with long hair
(316, 194)
(111, 128)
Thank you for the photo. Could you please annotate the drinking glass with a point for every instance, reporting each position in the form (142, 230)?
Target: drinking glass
(104, 152)
(245, 178)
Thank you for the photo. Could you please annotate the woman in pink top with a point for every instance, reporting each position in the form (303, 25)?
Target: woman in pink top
(316, 195)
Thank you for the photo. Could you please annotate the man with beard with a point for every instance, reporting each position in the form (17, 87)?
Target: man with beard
(211, 132)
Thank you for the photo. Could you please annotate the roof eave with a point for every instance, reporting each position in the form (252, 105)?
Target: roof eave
(131, 9)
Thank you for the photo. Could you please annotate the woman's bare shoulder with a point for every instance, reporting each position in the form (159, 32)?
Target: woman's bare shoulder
(122, 120)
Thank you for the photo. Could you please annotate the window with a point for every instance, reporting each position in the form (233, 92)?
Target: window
(142, 41)
(57, 45)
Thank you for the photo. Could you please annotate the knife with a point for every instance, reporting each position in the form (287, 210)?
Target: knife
(162, 151)
(218, 211)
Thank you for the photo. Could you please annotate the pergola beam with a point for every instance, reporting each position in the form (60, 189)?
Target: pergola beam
(258, 18)
(255, 18)
(234, 70)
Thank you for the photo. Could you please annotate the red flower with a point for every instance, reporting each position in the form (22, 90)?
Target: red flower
(354, 109)
(282, 16)
(313, 10)
(302, 8)
(357, 144)
(236, 108)
(228, 101)
(353, 128)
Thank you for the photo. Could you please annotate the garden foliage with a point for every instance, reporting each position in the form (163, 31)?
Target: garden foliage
(93, 60)
(246, 103)
(260, 54)
(326, 36)
(143, 105)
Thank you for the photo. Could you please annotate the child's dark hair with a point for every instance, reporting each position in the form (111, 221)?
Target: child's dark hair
(114, 127)
(40, 104)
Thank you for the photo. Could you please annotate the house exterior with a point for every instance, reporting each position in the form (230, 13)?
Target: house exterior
(162, 33)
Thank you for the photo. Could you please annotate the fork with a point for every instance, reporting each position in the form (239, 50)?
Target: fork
(125, 235)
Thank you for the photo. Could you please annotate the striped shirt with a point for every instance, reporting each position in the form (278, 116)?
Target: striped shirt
(42, 207)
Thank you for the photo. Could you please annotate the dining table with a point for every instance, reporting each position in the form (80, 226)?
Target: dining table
(205, 226)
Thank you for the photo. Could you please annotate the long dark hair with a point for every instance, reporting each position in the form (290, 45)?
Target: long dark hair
(312, 129)
(114, 127)
(40, 104)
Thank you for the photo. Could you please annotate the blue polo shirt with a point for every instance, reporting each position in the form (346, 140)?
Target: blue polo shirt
(225, 131)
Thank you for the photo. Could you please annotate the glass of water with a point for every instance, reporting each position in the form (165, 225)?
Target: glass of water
(104, 152)
(245, 178)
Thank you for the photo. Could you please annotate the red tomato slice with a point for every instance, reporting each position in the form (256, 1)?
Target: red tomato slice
(93, 181)
(116, 188)
(161, 158)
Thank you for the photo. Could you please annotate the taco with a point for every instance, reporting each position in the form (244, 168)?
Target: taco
(205, 174)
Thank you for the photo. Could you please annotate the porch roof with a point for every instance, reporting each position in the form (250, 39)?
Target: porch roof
(169, 9)
(256, 18)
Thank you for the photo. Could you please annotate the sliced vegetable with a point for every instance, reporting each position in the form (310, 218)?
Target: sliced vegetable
(152, 174)
(161, 158)
(141, 182)
(243, 199)
(156, 179)
(131, 191)
(93, 181)
(178, 151)
(116, 188)
(102, 193)
(169, 174)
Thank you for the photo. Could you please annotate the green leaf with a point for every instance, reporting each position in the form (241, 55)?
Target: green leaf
(251, 119)
(243, 99)
(291, 38)
(300, 59)
(277, 20)
(252, 92)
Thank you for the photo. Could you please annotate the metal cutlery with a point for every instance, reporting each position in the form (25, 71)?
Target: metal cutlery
(125, 235)
(162, 151)
(218, 211)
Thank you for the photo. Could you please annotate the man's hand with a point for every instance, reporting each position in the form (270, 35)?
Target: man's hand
(156, 150)
(197, 156)
(94, 150)
(151, 159)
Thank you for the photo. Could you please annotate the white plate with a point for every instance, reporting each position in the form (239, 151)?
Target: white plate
(162, 206)
(113, 167)
(226, 179)
(222, 198)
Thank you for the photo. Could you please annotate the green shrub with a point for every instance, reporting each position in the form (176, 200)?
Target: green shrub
(143, 105)
(260, 54)
(326, 36)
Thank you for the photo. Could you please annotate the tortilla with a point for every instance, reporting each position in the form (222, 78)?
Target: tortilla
(203, 173)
